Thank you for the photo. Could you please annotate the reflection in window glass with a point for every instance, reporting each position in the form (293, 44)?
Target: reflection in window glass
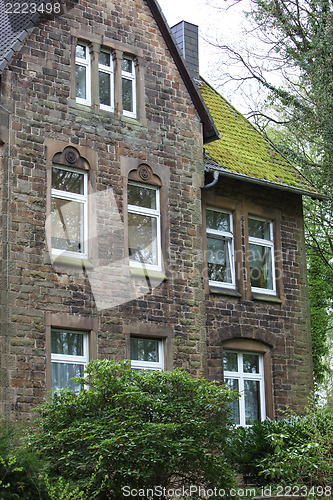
(230, 361)
(81, 81)
(244, 371)
(144, 230)
(218, 260)
(66, 225)
(69, 200)
(233, 385)
(261, 271)
(142, 238)
(250, 363)
(69, 355)
(104, 88)
(127, 95)
(259, 229)
(141, 196)
(145, 349)
(252, 401)
(220, 256)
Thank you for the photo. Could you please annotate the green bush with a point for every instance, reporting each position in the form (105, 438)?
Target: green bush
(144, 429)
(20, 469)
(303, 453)
(297, 450)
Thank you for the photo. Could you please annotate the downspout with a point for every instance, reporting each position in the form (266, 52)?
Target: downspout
(8, 187)
(214, 182)
(5, 328)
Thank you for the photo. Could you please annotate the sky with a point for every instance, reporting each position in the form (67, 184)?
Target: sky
(213, 24)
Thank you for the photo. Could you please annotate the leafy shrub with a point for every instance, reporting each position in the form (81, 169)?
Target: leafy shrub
(297, 450)
(303, 454)
(20, 468)
(146, 429)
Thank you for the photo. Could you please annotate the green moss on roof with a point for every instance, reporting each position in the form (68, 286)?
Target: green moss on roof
(243, 150)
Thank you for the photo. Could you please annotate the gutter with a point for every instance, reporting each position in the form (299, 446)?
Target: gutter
(269, 184)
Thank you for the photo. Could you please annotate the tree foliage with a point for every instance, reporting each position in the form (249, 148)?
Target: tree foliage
(144, 429)
(295, 39)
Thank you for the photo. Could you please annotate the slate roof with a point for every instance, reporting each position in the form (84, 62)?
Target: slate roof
(242, 151)
(14, 27)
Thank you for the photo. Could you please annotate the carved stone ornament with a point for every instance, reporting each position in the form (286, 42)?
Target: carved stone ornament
(144, 172)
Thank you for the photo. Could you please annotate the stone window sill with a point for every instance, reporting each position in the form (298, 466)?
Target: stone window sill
(219, 290)
(263, 297)
(138, 272)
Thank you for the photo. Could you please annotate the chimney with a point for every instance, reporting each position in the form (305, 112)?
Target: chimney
(186, 36)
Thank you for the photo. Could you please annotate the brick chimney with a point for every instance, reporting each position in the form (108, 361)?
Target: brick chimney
(186, 36)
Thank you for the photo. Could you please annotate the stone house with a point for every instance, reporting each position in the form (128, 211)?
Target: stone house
(120, 238)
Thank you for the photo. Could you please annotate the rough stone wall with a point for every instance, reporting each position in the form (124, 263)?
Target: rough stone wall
(36, 88)
(283, 327)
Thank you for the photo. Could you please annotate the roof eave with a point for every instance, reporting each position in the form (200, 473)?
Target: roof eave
(262, 182)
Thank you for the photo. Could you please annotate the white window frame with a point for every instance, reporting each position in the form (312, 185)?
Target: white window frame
(228, 236)
(110, 71)
(86, 63)
(153, 213)
(241, 376)
(132, 77)
(150, 365)
(81, 198)
(267, 244)
(70, 359)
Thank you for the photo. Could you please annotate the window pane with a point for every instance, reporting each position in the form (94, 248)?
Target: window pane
(142, 196)
(68, 343)
(81, 51)
(127, 95)
(230, 361)
(218, 259)
(66, 222)
(80, 80)
(127, 65)
(64, 180)
(250, 363)
(261, 266)
(142, 238)
(233, 385)
(252, 401)
(62, 373)
(105, 59)
(259, 229)
(218, 220)
(104, 88)
(145, 350)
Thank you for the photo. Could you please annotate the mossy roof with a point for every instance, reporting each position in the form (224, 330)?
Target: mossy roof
(243, 151)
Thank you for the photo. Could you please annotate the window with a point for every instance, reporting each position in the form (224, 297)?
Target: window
(69, 211)
(108, 77)
(69, 356)
(261, 255)
(220, 248)
(106, 83)
(144, 226)
(244, 372)
(128, 87)
(83, 75)
(147, 354)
